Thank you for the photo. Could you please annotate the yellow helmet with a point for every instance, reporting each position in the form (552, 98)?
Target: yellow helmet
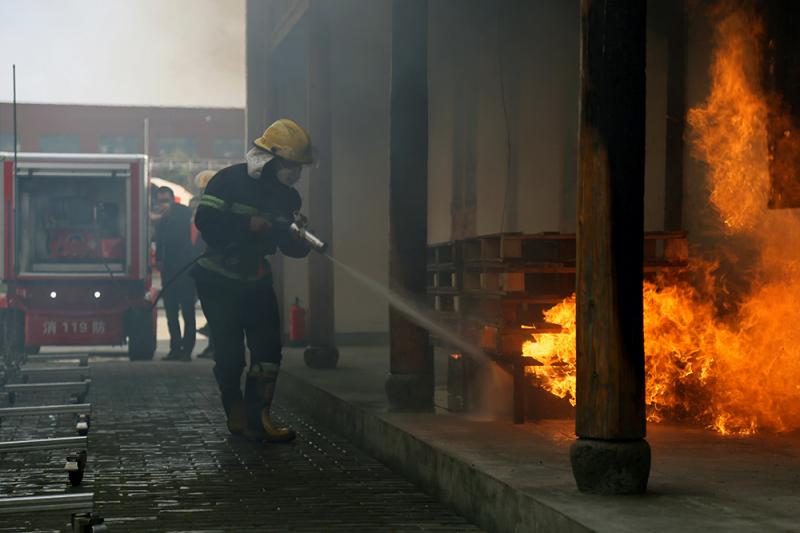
(286, 139)
(202, 178)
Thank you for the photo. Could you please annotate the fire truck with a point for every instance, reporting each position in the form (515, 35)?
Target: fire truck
(74, 253)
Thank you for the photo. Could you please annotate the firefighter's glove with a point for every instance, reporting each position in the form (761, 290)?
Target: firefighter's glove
(259, 224)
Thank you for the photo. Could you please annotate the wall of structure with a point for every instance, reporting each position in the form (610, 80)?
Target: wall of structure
(482, 55)
(360, 59)
(528, 52)
(500, 74)
(699, 219)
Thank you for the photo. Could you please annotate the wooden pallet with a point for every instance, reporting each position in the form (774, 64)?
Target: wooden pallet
(493, 285)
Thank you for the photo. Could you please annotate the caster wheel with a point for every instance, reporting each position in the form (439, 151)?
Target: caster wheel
(75, 477)
(82, 425)
(76, 465)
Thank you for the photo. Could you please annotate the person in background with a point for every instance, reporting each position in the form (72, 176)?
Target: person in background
(175, 250)
(200, 181)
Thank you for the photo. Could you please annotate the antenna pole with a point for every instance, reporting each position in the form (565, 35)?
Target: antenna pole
(14, 107)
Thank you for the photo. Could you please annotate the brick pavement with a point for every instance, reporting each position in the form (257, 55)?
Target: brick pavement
(160, 459)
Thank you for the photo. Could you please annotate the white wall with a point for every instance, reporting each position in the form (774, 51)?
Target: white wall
(361, 61)
(538, 48)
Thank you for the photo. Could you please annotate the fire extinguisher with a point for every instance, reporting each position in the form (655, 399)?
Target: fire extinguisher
(297, 324)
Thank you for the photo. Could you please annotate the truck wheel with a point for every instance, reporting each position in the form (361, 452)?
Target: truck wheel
(141, 334)
(32, 350)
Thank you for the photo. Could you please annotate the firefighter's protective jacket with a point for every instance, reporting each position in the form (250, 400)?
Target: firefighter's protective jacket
(234, 253)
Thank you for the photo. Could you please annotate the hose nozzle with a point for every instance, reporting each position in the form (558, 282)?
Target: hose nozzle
(316, 244)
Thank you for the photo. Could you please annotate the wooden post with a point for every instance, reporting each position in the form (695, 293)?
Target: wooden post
(258, 59)
(677, 38)
(611, 455)
(322, 352)
(260, 104)
(410, 384)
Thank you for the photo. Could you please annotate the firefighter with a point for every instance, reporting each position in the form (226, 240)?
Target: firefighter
(243, 216)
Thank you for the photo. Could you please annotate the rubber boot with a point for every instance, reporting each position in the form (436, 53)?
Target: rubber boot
(259, 391)
(234, 407)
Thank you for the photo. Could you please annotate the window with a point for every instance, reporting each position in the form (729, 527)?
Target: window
(176, 147)
(7, 143)
(61, 144)
(228, 148)
(110, 144)
(71, 223)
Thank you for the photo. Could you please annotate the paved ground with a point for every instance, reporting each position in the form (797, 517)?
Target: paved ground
(161, 460)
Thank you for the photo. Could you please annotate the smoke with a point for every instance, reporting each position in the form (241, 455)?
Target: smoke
(125, 52)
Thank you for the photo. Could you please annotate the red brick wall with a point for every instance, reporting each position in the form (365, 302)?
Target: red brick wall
(203, 125)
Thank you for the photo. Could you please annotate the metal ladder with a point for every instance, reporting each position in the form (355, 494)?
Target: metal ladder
(16, 374)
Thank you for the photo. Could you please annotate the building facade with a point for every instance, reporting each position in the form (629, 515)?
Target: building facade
(179, 141)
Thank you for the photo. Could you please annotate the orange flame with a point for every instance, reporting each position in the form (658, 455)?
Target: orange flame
(730, 127)
(735, 367)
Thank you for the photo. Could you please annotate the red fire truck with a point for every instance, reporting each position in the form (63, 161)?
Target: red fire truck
(74, 252)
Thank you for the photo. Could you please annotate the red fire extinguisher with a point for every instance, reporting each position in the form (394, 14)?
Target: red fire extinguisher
(297, 324)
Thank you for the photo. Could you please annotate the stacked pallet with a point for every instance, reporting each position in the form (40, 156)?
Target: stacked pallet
(493, 289)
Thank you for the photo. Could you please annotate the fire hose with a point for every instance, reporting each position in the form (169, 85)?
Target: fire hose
(297, 227)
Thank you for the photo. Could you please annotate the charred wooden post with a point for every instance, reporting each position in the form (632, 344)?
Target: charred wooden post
(677, 51)
(322, 352)
(611, 455)
(410, 384)
(258, 58)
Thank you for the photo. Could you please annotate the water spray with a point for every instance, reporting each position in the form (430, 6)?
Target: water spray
(416, 313)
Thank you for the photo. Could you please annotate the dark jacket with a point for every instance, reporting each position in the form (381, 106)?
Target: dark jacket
(174, 248)
(233, 252)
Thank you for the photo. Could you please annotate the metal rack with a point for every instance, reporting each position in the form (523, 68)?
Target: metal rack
(16, 375)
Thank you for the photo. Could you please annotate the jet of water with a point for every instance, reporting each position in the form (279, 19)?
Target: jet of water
(416, 313)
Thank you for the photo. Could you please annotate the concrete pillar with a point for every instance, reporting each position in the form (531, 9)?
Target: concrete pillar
(611, 455)
(322, 352)
(410, 384)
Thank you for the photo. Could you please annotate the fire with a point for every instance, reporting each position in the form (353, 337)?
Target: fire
(734, 118)
(724, 349)
(556, 352)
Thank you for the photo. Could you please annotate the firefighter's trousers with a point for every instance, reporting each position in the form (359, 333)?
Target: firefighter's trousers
(236, 315)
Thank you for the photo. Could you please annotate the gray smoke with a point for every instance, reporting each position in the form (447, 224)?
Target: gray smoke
(124, 52)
